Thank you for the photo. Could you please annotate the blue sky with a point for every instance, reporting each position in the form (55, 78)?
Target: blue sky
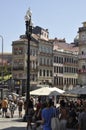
(62, 18)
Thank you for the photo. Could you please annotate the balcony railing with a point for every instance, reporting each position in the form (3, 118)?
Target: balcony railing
(82, 71)
(82, 56)
(18, 68)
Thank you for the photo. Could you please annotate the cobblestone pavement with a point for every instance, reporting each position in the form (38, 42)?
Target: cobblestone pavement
(14, 123)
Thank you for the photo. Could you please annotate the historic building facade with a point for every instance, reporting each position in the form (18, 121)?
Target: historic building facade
(19, 63)
(45, 63)
(82, 55)
(65, 64)
(41, 60)
(45, 56)
(53, 62)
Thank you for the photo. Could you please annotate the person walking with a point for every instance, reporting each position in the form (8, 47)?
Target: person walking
(20, 107)
(12, 108)
(47, 114)
(4, 107)
(30, 110)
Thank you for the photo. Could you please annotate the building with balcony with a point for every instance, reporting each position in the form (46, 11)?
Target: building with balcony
(65, 64)
(45, 63)
(53, 62)
(19, 63)
(41, 60)
(82, 55)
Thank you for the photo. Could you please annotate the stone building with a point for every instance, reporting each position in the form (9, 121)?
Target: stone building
(65, 64)
(41, 60)
(82, 55)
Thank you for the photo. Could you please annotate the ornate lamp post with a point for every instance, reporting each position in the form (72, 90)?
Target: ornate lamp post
(2, 56)
(28, 35)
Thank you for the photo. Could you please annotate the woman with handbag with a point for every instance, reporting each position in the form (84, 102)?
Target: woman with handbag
(47, 114)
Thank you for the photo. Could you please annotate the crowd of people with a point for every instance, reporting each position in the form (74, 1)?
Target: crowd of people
(9, 106)
(71, 114)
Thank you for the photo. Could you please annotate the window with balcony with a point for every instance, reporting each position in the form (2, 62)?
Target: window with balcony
(18, 64)
(18, 50)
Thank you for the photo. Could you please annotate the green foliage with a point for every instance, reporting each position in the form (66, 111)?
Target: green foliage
(5, 73)
(5, 77)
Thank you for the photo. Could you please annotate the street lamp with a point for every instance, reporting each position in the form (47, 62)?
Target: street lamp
(2, 56)
(28, 35)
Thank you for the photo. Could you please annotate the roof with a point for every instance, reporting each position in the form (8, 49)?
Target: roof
(65, 46)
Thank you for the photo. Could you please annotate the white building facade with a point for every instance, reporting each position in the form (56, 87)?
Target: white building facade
(65, 64)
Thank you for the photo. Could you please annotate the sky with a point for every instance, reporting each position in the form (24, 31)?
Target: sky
(62, 18)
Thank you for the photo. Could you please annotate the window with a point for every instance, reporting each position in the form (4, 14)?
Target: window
(47, 61)
(40, 72)
(54, 69)
(33, 52)
(40, 61)
(60, 69)
(83, 67)
(18, 64)
(47, 72)
(50, 73)
(44, 61)
(60, 60)
(55, 59)
(51, 62)
(18, 50)
(43, 72)
(82, 52)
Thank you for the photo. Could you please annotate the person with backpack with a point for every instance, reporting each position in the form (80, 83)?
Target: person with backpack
(4, 107)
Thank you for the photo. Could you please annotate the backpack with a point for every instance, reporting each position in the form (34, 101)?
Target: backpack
(55, 121)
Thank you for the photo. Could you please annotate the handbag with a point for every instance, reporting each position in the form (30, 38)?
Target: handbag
(55, 123)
